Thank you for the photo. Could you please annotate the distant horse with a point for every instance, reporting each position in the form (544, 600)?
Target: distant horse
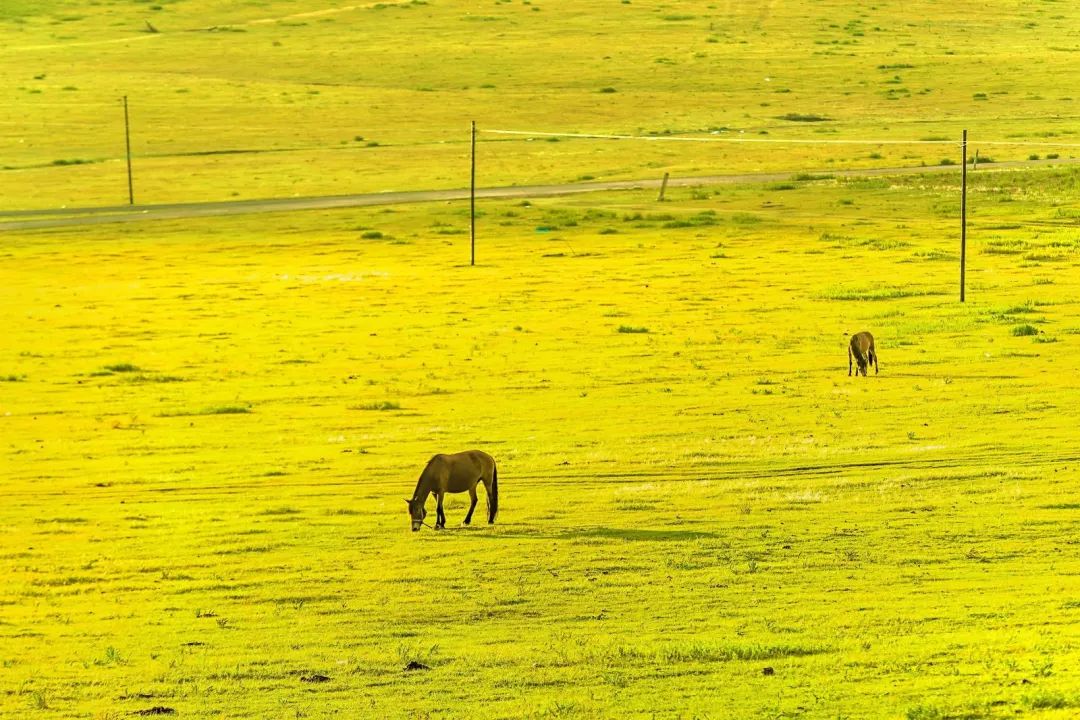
(862, 347)
(455, 473)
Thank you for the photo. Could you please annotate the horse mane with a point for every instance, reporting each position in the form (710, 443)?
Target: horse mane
(423, 483)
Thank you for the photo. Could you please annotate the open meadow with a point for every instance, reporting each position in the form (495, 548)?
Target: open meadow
(210, 425)
(268, 98)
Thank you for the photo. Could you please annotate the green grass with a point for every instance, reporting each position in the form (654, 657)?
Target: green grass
(876, 293)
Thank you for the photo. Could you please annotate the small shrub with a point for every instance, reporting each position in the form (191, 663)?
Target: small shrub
(804, 117)
(1046, 701)
(372, 235)
(924, 712)
(122, 368)
(219, 410)
(874, 293)
(934, 254)
(226, 410)
(632, 330)
(1025, 330)
(379, 406)
(112, 657)
(278, 511)
(142, 378)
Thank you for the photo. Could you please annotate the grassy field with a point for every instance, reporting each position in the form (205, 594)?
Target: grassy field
(209, 426)
(281, 97)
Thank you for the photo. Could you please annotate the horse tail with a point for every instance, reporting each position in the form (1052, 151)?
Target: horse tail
(493, 495)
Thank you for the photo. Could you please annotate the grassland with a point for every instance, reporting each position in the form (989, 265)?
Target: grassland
(209, 425)
(274, 98)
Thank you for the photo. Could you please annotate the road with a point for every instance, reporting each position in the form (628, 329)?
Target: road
(64, 217)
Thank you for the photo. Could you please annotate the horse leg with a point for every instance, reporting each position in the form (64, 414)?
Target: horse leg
(875, 363)
(472, 497)
(849, 362)
(440, 517)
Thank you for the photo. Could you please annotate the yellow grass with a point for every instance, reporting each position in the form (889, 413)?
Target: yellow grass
(332, 98)
(210, 426)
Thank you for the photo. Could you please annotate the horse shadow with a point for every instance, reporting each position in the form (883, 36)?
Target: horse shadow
(607, 533)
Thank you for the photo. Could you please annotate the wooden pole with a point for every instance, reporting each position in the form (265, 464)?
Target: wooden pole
(472, 199)
(963, 214)
(663, 187)
(127, 142)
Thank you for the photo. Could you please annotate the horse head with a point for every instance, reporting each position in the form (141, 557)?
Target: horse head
(417, 512)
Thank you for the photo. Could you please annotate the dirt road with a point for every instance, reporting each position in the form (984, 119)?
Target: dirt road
(62, 217)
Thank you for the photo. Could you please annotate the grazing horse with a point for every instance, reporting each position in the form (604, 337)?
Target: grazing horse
(862, 347)
(455, 473)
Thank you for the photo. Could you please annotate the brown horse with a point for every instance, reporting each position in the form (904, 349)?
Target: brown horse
(455, 473)
(862, 347)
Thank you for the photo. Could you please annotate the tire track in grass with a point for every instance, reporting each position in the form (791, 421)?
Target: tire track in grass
(975, 460)
(144, 35)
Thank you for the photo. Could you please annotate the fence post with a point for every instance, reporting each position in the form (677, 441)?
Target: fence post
(127, 143)
(963, 214)
(663, 187)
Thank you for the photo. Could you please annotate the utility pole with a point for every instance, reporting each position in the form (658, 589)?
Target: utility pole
(127, 142)
(963, 214)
